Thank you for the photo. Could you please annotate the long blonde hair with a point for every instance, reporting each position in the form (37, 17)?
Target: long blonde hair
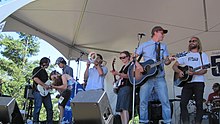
(199, 44)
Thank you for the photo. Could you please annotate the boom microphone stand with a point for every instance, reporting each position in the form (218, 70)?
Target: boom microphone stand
(140, 35)
(77, 60)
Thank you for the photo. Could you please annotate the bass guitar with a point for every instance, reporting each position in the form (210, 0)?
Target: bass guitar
(150, 69)
(116, 82)
(180, 81)
(42, 90)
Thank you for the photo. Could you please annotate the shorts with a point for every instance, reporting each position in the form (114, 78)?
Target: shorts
(64, 97)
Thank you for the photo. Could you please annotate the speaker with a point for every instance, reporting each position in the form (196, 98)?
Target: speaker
(91, 107)
(7, 105)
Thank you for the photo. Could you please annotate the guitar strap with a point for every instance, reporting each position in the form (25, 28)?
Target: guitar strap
(123, 70)
(201, 58)
(139, 58)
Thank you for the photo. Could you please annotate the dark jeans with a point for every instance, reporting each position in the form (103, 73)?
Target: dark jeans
(190, 89)
(38, 100)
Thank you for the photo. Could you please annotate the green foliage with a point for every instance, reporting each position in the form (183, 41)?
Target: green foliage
(16, 69)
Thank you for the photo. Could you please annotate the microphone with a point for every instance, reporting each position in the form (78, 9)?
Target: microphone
(83, 53)
(142, 34)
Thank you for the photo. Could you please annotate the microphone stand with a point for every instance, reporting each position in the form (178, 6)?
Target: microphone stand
(77, 60)
(140, 35)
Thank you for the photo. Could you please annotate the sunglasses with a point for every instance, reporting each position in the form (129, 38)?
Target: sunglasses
(122, 57)
(45, 64)
(192, 41)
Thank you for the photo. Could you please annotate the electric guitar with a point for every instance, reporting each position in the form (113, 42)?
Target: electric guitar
(116, 82)
(180, 81)
(42, 90)
(150, 69)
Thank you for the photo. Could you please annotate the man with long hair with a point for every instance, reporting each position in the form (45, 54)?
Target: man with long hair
(195, 87)
(40, 77)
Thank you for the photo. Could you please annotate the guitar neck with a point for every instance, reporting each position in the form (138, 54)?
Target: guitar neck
(197, 68)
(115, 78)
(201, 67)
(163, 60)
(114, 75)
(157, 63)
(113, 68)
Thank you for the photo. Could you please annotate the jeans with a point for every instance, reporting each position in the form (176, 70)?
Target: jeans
(38, 100)
(196, 88)
(160, 86)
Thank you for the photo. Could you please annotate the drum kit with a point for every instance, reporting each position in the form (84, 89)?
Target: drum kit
(211, 110)
(214, 109)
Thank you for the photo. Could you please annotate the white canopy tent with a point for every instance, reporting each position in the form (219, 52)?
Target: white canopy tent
(111, 26)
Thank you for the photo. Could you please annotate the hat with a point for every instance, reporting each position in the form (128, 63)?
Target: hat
(59, 60)
(158, 28)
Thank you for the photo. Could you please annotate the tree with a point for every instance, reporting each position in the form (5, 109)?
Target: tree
(15, 68)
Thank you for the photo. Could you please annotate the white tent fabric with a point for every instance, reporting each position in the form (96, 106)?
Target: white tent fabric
(111, 26)
(10, 7)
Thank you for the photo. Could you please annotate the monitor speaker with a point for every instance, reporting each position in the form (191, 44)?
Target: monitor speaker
(7, 105)
(92, 107)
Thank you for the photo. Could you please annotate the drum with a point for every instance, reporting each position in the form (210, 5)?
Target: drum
(215, 105)
(207, 107)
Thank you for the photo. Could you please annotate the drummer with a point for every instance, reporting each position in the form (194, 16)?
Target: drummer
(215, 94)
(213, 102)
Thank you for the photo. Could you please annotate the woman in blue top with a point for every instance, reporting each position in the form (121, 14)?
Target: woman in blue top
(66, 86)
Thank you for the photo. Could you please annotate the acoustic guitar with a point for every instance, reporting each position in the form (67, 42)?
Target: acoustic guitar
(150, 69)
(180, 81)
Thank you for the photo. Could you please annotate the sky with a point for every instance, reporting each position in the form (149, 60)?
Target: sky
(45, 51)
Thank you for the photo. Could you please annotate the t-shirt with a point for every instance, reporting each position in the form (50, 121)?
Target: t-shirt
(95, 81)
(213, 96)
(194, 60)
(68, 70)
(41, 74)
